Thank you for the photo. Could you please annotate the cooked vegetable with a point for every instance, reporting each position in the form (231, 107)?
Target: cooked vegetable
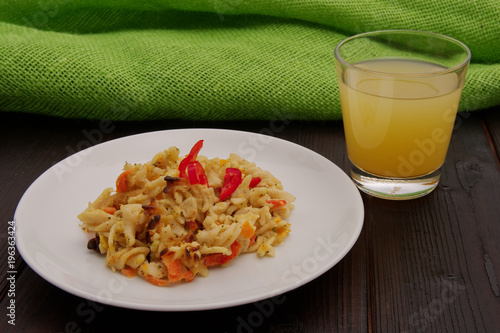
(247, 230)
(191, 157)
(109, 210)
(176, 271)
(196, 174)
(254, 182)
(129, 272)
(121, 181)
(277, 203)
(221, 259)
(232, 179)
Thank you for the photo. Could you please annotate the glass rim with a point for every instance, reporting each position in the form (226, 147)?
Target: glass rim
(347, 64)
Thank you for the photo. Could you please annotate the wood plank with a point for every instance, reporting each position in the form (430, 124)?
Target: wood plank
(341, 292)
(491, 120)
(431, 258)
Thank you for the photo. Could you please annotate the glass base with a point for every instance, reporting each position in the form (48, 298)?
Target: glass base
(395, 188)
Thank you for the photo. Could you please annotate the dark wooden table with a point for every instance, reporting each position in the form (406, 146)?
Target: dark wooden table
(425, 265)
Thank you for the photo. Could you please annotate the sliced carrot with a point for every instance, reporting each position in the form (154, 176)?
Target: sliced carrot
(109, 210)
(221, 259)
(175, 269)
(154, 280)
(215, 259)
(167, 258)
(121, 181)
(175, 278)
(252, 240)
(247, 231)
(276, 202)
(129, 272)
(189, 276)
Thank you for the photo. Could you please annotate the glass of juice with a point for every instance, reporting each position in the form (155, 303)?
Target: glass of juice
(399, 93)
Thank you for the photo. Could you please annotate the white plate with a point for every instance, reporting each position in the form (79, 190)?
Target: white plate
(325, 224)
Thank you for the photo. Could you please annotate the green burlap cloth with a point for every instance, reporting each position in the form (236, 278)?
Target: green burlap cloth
(214, 59)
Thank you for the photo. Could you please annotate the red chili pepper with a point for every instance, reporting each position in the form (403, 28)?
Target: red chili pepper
(190, 158)
(232, 179)
(254, 182)
(196, 174)
(276, 202)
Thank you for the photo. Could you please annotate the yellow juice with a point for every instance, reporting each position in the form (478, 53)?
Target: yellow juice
(396, 126)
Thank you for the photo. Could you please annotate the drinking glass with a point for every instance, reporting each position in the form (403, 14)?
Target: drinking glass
(399, 93)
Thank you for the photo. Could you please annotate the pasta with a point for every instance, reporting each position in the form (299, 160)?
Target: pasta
(173, 218)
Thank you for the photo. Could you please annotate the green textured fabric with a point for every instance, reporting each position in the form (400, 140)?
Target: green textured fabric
(214, 59)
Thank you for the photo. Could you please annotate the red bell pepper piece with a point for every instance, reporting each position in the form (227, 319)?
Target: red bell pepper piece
(191, 157)
(196, 174)
(254, 182)
(232, 179)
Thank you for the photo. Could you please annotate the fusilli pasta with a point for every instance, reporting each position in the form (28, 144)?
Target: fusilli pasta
(172, 218)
